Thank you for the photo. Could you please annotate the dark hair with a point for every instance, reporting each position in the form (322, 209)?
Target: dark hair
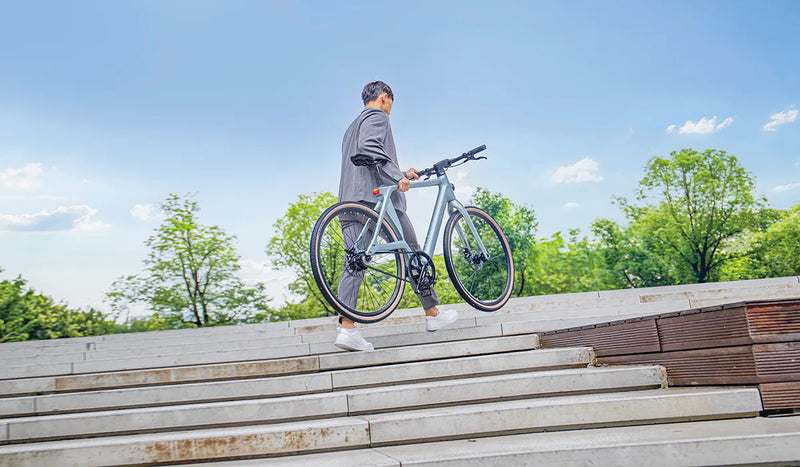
(374, 89)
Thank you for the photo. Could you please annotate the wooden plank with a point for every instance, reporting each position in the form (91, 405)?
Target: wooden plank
(621, 339)
(774, 321)
(775, 396)
(777, 362)
(707, 329)
(722, 365)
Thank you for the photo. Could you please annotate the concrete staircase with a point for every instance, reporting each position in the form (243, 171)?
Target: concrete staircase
(479, 393)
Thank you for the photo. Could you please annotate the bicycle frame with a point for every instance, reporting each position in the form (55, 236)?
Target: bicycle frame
(446, 198)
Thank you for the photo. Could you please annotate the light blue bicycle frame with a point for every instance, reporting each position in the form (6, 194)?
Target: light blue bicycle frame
(445, 199)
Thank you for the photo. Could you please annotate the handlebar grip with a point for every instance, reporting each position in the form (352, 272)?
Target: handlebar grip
(472, 152)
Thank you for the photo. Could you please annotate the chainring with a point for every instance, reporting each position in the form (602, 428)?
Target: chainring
(421, 269)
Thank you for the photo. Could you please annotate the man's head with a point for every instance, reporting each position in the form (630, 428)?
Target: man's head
(379, 95)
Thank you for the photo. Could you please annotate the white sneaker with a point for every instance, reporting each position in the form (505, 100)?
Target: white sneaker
(352, 340)
(443, 319)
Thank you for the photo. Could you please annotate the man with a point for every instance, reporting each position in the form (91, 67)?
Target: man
(371, 134)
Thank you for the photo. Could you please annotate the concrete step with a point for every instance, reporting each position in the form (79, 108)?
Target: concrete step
(325, 333)
(153, 361)
(159, 376)
(155, 350)
(95, 398)
(584, 411)
(77, 344)
(746, 441)
(512, 328)
(413, 338)
(335, 404)
(529, 360)
(532, 415)
(609, 313)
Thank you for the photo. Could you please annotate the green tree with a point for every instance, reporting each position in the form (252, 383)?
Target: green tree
(693, 205)
(519, 225)
(26, 315)
(190, 278)
(288, 248)
(630, 257)
(779, 249)
(771, 251)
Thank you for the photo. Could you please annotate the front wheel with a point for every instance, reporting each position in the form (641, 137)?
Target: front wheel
(483, 280)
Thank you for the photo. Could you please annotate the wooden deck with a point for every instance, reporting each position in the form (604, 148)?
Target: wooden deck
(743, 343)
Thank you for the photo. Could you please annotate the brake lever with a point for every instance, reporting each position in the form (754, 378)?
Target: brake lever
(479, 158)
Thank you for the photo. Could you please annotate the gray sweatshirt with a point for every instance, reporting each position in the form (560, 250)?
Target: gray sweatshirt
(370, 134)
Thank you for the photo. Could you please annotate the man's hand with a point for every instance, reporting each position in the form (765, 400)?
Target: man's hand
(403, 184)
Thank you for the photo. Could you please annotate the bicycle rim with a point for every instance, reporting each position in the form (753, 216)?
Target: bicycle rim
(485, 283)
(363, 289)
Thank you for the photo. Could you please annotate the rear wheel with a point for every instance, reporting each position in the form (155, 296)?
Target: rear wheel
(485, 282)
(363, 288)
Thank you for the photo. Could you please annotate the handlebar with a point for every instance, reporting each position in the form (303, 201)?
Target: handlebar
(440, 167)
(472, 152)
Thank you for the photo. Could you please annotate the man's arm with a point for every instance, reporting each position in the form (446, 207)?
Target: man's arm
(370, 142)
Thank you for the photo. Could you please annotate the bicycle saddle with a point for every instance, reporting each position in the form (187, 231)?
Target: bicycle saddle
(363, 160)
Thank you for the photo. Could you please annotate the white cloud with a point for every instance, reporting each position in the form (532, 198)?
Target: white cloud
(570, 205)
(780, 118)
(145, 212)
(464, 190)
(276, 281)
(64, 219)
(704, 126)
(582, 171)
(26, 178)
(789, 187)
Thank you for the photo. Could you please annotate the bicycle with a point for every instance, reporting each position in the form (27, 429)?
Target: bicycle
(347, 245)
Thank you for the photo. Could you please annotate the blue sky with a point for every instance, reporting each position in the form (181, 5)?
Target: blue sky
(107, 107)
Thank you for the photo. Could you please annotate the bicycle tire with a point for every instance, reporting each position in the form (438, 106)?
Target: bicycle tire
(484, 283)
(381, 286)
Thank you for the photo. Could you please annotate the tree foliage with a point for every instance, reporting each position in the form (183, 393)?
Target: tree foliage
(26, 315)
(190, 277)
(773, 250)
(693, 205)
(565, 265)
(631, 258)
(288, 249)
(779, 250)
